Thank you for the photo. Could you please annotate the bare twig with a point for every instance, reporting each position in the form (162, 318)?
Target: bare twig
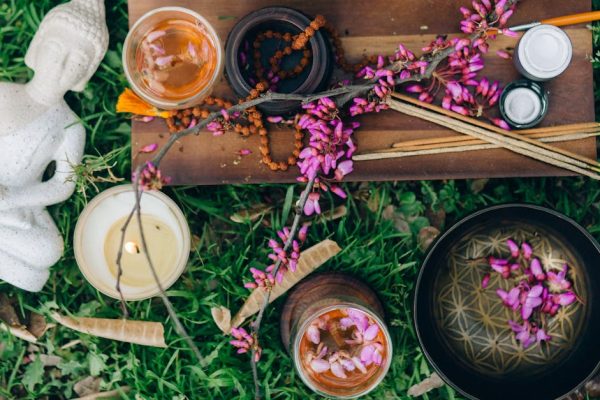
(293, 233)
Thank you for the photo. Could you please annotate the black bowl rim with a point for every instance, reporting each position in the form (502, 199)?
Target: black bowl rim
(456, 226)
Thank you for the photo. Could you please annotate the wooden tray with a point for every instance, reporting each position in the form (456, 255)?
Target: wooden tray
(376, 27)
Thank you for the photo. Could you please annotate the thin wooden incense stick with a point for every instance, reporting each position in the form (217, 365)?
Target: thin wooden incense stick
(512, 137)
(461, 138)
(401, 153)
(521, 145)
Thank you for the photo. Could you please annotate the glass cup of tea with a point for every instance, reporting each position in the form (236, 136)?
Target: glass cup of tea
(172, 58)
(333, 327)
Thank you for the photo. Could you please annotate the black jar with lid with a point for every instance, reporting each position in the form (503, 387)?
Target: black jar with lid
(313, 79)
(523, 104)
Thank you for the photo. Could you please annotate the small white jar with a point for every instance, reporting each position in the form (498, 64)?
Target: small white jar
(543, 53)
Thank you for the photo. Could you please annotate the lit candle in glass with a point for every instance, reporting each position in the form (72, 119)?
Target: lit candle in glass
(98, 237)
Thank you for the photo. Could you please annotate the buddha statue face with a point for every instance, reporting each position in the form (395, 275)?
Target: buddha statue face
(68, 47)
(62, 61)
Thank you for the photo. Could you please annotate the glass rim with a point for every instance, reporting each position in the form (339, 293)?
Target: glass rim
(302, 328)
(188, 101)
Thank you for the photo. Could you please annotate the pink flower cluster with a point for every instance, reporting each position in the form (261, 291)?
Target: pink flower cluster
(362, 348)
(150, 178)
(537, 291)
(288, 259)
(487, 18)
(244, 342)
(327, 157)
(388, 73)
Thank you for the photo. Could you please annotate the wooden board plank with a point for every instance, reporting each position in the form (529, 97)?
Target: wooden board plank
(377, 27)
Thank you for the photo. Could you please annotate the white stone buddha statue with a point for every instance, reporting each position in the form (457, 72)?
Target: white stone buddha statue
(37, 130)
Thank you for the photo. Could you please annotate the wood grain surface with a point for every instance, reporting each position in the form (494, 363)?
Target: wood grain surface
(377, 27)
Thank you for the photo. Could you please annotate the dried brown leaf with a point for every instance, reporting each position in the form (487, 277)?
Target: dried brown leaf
(436, 218)
(427, 235)
(310, 260)
(138, 332)
(47, 360)
(106, 395)
(251, 214)
(37, 325)
(7, 312)
(87, 386)
(433, 382)
(400, 222)
(20, 332)
(222, 317)
(477, 185)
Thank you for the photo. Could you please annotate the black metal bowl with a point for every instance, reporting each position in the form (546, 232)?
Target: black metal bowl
(462, 328)
(316, 75)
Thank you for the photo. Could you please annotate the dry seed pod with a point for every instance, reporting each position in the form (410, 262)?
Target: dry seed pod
(309, 260)
(138, 332)
(19, 332)
(222, 317)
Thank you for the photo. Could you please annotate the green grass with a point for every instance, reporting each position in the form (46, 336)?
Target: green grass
(373, 249)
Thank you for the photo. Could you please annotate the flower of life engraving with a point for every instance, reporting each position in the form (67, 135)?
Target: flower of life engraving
(473, 322)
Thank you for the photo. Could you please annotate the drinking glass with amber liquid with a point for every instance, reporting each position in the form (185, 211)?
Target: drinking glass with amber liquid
(333, 327)
(172, 58)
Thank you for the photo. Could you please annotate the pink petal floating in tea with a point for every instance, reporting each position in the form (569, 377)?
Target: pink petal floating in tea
(157, 49)
(152, 36)
(359, 365)
(371, 332)
(346, 323)
(319, 366)
(338, 370)
(313, 334)
(513, 247)
(163, 61)
(192, 50)
(348, 365)
(377, 358)
(366, 354)
(360, 319)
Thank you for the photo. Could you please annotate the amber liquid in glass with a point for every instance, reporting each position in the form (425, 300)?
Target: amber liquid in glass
(176, 59)
(334, 339)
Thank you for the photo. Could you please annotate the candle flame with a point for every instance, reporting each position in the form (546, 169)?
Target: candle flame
(132, 248)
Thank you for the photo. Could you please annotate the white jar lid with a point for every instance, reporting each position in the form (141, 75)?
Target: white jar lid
(522, 106)
(545, 51)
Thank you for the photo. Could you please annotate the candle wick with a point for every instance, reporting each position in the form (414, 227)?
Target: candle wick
(132, 248)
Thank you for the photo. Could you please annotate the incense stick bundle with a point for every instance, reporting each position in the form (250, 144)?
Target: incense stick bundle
(423, 151)
(556, 135)
(493, 135)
